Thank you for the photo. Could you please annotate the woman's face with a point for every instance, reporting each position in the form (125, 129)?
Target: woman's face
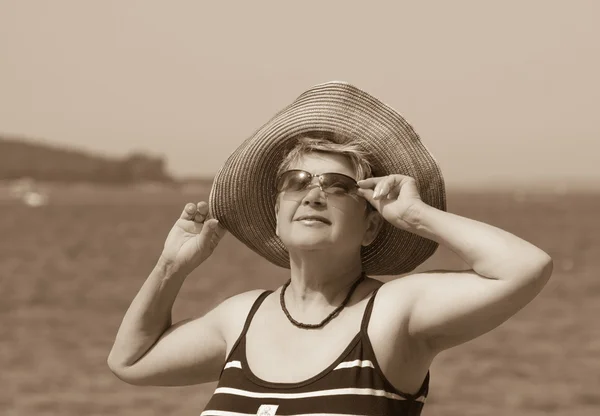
(346, 226)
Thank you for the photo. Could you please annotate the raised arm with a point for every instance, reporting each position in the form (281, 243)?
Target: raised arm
(447, 308)
(148, 349)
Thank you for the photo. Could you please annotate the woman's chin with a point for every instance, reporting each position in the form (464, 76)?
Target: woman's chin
(309, 243)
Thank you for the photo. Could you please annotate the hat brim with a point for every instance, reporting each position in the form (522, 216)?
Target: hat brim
(243, 194)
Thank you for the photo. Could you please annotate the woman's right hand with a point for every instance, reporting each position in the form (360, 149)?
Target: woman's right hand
(192, 239)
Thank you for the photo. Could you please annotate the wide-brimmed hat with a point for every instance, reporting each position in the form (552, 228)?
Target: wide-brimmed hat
(243, 194)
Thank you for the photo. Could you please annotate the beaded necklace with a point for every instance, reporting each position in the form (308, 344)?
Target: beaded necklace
(329, 317)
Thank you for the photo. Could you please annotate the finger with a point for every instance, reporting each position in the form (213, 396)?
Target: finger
(394, 193)
(388, 185)
(369, 182)
(380, 188)
(201, 212)
(188, 212)
(212, 231)
(399, 182)
(366, 194)
(219, 231)
(202, 207)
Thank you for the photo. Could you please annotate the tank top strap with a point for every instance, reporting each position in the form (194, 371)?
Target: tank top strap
(253, 310)
(367, 314)
(241, 338)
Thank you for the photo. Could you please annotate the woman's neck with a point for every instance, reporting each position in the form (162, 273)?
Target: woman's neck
(321, 282)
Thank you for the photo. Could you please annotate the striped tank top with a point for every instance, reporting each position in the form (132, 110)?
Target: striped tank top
(352, 385)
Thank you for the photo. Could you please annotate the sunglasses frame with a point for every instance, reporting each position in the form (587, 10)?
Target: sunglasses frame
(320, 184)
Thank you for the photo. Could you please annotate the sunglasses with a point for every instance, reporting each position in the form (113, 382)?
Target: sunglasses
(297, 180)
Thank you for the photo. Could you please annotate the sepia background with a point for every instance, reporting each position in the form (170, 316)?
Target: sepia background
(113, 114)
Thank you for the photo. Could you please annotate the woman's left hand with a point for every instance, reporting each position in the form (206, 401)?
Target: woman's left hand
(396, 197)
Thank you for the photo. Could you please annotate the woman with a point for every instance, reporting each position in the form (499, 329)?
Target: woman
(335, 187)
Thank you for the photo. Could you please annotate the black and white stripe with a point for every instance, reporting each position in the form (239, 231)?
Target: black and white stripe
(353, 385)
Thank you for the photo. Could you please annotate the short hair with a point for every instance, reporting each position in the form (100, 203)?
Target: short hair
(328, 143)
(332, 143)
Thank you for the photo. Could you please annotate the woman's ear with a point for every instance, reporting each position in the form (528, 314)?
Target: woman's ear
(374, 224)
(277, 216)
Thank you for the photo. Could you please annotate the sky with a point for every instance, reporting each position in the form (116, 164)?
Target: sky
(501, 93)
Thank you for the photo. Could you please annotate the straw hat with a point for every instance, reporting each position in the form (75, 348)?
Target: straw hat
(243, 194)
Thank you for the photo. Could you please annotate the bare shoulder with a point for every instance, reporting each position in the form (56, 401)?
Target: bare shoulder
(389, 323)
(232, 314)
(400, 294)
(396, 298)
(403, 359)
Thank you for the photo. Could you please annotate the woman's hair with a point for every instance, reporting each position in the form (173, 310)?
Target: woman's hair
(332, 143)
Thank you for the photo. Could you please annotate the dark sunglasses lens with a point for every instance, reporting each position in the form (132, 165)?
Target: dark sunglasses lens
(337, 183)
(293, 181)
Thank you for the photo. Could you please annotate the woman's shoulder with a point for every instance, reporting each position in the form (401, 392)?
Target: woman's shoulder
(242, 301)
(234, 311)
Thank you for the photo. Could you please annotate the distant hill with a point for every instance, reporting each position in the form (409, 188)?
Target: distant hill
(21, 157)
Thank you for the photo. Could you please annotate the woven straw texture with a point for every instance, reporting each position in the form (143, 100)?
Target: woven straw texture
(243, 195)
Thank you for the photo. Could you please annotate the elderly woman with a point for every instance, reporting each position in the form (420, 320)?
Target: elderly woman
(335, 187)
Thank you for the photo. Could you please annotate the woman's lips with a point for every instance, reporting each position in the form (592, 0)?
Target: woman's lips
(313, 219)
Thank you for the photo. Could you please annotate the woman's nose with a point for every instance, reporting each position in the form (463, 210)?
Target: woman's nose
(315, 196)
